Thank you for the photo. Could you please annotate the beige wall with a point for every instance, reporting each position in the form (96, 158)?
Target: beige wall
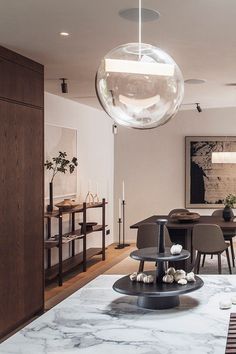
(152, 163)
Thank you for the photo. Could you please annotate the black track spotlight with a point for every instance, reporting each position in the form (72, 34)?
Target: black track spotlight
(64, 86)
(198, 107)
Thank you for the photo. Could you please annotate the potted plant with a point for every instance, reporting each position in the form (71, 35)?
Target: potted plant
(229, 202)
(58, 164)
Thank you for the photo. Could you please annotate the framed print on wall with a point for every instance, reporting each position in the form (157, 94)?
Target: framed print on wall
(63, 139)
(208, 183)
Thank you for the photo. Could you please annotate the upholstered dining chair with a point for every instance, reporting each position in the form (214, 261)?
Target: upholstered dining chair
(208, 239)
(228, 235)
(147, 237)
(174, 211)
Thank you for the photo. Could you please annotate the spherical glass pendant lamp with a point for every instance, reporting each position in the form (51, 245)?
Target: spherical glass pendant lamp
(139, 85)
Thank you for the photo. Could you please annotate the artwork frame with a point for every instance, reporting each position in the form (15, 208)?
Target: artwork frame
(56, 133)
(207, 184)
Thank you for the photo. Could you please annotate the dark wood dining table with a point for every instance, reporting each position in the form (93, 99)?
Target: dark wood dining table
(181, 233)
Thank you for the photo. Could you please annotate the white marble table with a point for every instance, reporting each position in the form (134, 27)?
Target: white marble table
(98, 320)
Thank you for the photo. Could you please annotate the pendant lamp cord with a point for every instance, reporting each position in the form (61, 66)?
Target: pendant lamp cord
(140, 28)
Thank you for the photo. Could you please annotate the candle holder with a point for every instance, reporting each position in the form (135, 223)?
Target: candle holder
(120, 245)
(123, 219)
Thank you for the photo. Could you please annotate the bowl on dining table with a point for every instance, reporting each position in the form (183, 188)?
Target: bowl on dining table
(185, 217)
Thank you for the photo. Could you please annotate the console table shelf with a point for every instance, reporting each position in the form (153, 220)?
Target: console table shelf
(78, 209)
(76, 234)
(71, 263)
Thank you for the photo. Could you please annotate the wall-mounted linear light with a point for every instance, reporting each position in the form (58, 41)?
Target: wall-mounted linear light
(224, 157)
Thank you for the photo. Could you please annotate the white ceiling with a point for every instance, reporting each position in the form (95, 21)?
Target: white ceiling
(199, 35)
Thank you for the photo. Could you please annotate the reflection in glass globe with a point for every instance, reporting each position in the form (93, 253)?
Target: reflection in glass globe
(139, 91)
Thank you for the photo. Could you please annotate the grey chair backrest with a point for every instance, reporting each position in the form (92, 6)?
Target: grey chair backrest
(219, 212)
(147, 236)
(208, 238)
(173, 211)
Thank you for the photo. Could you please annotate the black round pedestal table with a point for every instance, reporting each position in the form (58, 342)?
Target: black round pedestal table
(156, 296)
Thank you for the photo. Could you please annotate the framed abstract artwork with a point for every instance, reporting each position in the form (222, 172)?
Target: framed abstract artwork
(208, 183)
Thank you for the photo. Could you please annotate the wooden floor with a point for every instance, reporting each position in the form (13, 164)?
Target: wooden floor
(77, 279)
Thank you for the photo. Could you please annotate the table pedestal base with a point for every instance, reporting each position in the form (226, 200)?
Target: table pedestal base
(158, 303)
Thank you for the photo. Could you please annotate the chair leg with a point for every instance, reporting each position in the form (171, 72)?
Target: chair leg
(219, 263)
(203, 261)
(228, 260)
(141, 266)
(197, 263)
(232, 251)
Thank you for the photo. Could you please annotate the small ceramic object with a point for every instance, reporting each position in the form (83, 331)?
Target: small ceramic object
(182, 281)
(179, 274)
(176, 249)
(170, 271)
(233, 299)
(133, 276)
(148, 279)
(168, 278)
(190, 277)
(140, 277)
(225, 304)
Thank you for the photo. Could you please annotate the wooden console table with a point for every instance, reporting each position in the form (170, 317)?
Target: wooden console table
(70, 237)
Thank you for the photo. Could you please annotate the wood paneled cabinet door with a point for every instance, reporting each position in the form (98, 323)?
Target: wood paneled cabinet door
(21, 214)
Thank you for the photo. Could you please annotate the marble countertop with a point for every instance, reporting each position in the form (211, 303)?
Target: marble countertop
(96, 319)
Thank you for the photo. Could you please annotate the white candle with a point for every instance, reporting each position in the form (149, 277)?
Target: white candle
(123, 190)
(89, 185)
(97, 188)
(119, 208)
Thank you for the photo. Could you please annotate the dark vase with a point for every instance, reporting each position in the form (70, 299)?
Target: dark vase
(227, 213)
(50, 205)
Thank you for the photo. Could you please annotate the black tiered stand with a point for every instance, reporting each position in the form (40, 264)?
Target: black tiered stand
(157, 295)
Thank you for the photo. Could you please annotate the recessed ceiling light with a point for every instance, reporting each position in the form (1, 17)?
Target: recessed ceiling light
(132, 14)
(65, 34)
(195, 81)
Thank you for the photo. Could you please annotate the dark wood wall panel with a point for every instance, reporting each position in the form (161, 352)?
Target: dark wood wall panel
(21, 202)
(20, 83)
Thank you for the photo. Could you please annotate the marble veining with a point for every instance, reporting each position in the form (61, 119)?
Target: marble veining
(96, 319)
